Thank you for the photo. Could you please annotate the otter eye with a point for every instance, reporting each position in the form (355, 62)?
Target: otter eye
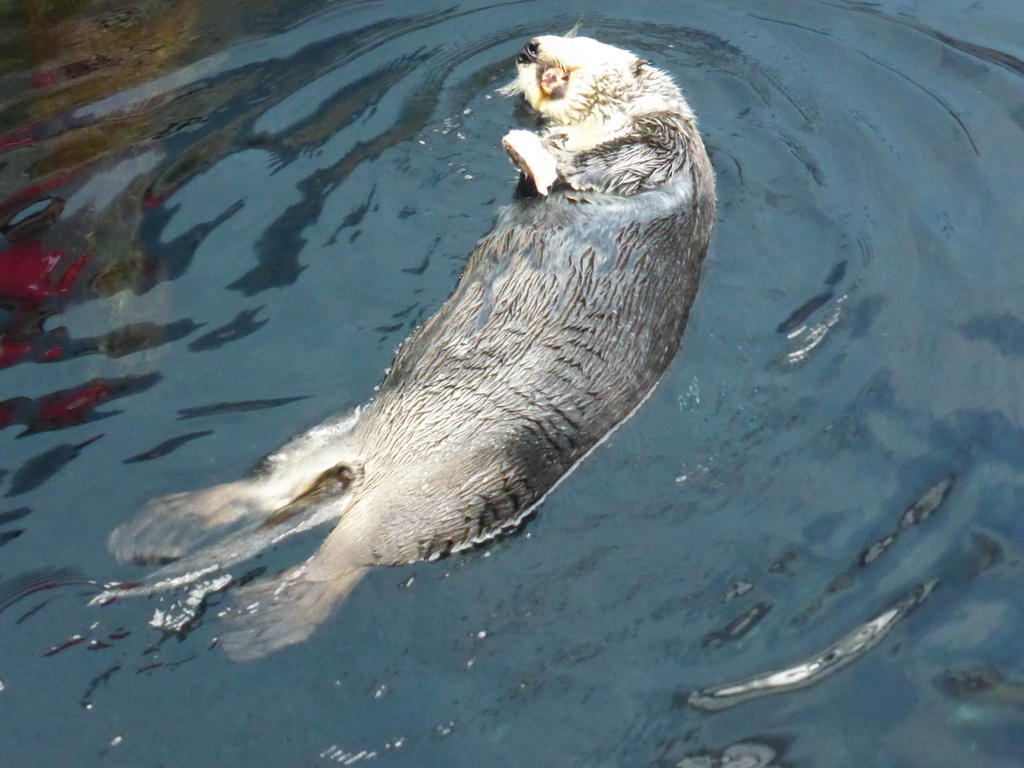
(529, 53)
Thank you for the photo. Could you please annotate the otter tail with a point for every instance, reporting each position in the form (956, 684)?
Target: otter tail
(274, 613)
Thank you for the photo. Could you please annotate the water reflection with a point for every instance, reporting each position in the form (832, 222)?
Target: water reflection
(742, 754)
(915, 514)
(70, 407)
(818, 666)
(167, 446)
(72, 53)
(984, 685)
(8, 535)
(68, 236)
(76, 233)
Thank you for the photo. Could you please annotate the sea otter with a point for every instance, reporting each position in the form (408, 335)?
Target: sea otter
(567, 315)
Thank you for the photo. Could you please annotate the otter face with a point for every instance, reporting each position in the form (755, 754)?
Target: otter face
(566, 78)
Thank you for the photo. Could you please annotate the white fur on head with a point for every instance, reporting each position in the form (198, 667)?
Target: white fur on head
(572, 77)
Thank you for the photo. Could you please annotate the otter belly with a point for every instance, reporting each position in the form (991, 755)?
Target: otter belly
(567, 315)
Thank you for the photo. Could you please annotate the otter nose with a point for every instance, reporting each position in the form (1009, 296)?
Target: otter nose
(529, 53)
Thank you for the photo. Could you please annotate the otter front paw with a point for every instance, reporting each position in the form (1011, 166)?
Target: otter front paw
(526, 151)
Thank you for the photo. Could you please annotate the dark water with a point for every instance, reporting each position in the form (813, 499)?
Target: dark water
(805, 550)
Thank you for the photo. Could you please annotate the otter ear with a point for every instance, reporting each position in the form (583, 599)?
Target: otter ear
(638, 66)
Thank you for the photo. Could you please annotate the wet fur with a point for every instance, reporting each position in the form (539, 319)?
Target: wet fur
(567, 315)
(619, 125)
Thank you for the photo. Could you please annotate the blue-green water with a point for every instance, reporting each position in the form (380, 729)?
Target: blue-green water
(805, 550)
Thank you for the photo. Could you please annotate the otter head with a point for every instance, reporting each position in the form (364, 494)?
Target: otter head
(572, 79)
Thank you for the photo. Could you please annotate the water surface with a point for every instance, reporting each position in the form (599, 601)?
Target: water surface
(218, 223)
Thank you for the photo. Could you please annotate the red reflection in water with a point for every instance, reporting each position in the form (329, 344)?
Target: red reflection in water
(16, 138)
(30, 273)
(35, 280)
(69, 407)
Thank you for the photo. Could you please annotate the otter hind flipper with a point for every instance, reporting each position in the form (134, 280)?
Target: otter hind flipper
(311, 465)
(273, 613)
(248, 536)
(172, 526)
(192, 535)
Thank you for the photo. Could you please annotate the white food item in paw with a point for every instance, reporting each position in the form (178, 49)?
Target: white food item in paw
(526, 151)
